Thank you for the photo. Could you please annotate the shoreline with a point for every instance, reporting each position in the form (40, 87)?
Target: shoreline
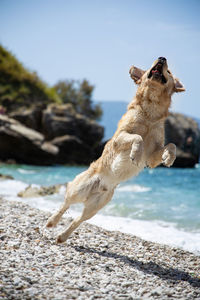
(93, 263)
(159, 231)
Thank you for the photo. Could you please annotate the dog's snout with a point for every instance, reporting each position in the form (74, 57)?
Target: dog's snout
(162, 59)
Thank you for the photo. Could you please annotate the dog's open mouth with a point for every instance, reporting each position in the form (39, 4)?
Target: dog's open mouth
(157, 73)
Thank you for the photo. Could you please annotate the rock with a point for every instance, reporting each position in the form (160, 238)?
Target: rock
(185, 134)
(30, 117)
(72, 150)
(60, 120)
(31, 191)
(185, 159)
(99, 149)
(77, 137)
(6, 177)
(23, 144)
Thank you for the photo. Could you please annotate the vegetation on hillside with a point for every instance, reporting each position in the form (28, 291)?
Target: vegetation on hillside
(79, 94)
(20, 87)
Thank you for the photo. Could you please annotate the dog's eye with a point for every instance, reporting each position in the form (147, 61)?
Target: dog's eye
(168, 71)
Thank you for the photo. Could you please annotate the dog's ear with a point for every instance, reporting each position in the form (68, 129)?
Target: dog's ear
(136, 74)
(178, 87)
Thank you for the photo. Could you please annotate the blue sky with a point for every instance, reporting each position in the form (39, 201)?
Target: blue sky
(100, 40)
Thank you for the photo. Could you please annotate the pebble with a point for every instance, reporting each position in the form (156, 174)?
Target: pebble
(92, 264)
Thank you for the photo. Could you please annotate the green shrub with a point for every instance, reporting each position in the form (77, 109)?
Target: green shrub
(79, 94)
(19, 86)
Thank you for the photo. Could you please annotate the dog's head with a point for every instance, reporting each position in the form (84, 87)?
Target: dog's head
(158, 75)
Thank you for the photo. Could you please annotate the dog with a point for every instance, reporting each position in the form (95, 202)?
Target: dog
(137, 142)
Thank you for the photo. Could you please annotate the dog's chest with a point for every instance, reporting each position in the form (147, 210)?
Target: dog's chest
(123, 168)
(154, 138)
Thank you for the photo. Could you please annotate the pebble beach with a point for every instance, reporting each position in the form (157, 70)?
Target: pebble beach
(92, 264)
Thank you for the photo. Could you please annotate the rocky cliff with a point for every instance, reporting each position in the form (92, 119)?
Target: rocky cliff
(56, 134)
(185, 134)
(23, 144)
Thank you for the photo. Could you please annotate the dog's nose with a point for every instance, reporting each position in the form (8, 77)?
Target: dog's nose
(162, 59)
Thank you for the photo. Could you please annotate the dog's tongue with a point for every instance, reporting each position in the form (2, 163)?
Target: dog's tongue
(159, 67)
(155, 71)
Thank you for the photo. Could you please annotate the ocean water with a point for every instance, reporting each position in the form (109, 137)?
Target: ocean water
(160, 205)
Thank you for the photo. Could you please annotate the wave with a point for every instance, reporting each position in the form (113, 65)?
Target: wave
(10, 188)
(159, 232)
(23, 171)
(133, 188)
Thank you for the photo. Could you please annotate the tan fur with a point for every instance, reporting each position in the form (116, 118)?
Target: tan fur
(138, 142)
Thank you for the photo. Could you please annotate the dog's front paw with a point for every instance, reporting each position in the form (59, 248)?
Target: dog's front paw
(169, 155)
(136, 156)
(137, 150)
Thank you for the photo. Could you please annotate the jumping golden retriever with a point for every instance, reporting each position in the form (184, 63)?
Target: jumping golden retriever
(137, 142)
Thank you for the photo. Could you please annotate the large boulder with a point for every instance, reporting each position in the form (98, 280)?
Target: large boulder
(61, 120)
(24, 144)
(72, 150)
(185, 134)
(30, 117)
(77, 137)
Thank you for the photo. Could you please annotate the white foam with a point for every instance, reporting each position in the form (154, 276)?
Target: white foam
(133, 188)
(11, 187)
(23, 171)
(62, 190)
(160, 232)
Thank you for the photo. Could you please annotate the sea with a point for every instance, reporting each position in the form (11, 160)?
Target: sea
(160, 205)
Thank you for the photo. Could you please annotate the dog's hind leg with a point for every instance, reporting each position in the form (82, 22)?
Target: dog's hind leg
(92, 206)
(54, 219)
